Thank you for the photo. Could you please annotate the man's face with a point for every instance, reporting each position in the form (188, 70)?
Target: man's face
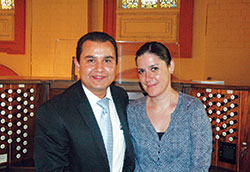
(97, 66)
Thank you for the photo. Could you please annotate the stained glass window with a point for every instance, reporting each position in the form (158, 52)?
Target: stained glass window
(168, 3)
(130, 3)
(7, 4)
(149, 3)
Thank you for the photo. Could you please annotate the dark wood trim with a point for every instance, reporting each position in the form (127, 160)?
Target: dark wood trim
(109, 17)
(186, 25)
(18, 45)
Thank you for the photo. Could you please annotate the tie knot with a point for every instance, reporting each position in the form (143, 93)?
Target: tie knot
(104, 103)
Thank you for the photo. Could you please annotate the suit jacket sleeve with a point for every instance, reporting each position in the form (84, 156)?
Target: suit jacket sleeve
(51, 142)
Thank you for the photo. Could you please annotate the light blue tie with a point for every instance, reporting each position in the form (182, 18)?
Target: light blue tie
(106, 129)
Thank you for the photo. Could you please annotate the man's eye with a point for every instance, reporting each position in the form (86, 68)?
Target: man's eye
(107, 60)
(140, 72)
(154, 68)
(90, 60)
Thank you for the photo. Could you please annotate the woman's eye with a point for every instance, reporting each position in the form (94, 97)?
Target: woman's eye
(154, 68)
(140, 71)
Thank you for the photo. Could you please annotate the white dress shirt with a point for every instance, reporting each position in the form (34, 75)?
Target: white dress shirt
(118, 136)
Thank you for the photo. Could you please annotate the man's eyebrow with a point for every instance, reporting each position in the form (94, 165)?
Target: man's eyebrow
(89, 56)
(106, 57)
(109, 57)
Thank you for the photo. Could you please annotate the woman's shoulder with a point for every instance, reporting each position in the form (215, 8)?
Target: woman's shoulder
(189, 99)
(140, 102)
(135, 110)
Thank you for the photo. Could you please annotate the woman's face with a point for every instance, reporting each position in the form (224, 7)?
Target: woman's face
(154, 74)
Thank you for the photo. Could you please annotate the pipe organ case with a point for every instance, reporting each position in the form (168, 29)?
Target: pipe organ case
(19, 101)
(228, 108)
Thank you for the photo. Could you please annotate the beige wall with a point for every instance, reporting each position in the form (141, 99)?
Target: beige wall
(96, 15)
(228, 41)
(221, 39)
(221, 42)
(56, 27)
(52, 30)
(193, 68)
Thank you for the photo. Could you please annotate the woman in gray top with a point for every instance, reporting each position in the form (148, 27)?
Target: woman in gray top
(170, 130)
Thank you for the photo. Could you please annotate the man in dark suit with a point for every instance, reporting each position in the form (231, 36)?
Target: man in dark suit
(68, 133)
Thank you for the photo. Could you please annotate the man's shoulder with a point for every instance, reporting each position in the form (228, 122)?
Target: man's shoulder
(67, 96)
(119, 94)
(117, 89)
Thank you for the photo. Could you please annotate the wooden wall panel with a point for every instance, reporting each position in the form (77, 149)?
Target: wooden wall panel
(6, 25)
(184, 43)
(144, 26)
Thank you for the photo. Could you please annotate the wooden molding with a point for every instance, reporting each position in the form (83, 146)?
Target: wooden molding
(17, 46)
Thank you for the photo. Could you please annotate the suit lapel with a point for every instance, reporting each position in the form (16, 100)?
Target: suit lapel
(120, 108)
(88, 116)
(121, 111)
